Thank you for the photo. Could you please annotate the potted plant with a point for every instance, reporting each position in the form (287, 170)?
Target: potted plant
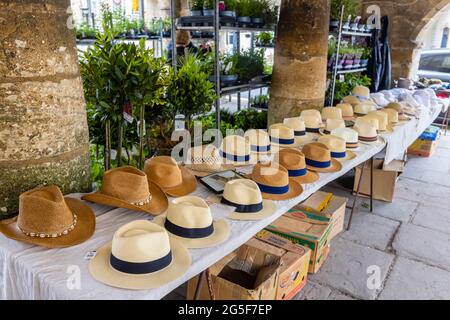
(166, 27)
(350, 9)
(243, 12)
(270, 14)
(196, 8)
(264, 39)
(227, 63)
(260, 102)
(367, 52)
(230, 9)
(256, 12)
(250, 64)
(208, 8)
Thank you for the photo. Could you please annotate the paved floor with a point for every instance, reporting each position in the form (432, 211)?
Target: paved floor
(401, 250)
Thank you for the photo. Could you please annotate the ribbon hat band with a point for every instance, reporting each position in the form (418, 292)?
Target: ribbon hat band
(191, 233)
(243, 208)
(273, 190)
(312, 130)
(282, 141)
(300, 133)
(140, 267)
(255, 148)
(235, 158)
(297, 172)
(338, 155)
(318, 164)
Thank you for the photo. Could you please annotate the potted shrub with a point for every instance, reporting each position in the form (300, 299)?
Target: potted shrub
(350, 9)
(208, 8)
(196, 7)
(228, 75)
(260, 102)
(365, 57)
(230, 9)
(243, 12)
(250, 64)
(256, 12)
(264, 39)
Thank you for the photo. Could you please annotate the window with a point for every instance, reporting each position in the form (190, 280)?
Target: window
(436, 62)
(444, 40)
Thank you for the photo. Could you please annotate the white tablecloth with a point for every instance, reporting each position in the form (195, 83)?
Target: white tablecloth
(31, 272)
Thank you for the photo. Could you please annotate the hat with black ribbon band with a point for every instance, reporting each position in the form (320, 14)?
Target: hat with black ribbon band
(243, 208)
(272, 189)
(260, 148)
(318, 164)
(141, 267)
(235, 158)
(299, 133)
(312, 130)
(282, 141)
(192, 233)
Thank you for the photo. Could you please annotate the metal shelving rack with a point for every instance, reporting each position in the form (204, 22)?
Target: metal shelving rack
(216, 29)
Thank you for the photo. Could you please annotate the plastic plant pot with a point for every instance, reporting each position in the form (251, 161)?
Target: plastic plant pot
(208, 12)
(244, 20)
(228, 13)
(258, 21)
(196, 13)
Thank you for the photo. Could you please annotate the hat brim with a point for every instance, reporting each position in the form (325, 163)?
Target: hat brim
(309, 177)
(349, 155)
(335, 167)
(295, 189)
(187, 186)
(83, 230)
(379, 140)
(157, 205)
(206, 171)
(221, 233)
(100, 268)
(268, 209)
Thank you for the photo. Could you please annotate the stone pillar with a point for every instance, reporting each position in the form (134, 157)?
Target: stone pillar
(43, 128)
(300, 65)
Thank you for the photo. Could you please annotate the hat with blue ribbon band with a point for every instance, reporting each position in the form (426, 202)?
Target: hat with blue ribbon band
(318, 158)
(282, 136)
(294, 161)
(259, 140)
(235, 150)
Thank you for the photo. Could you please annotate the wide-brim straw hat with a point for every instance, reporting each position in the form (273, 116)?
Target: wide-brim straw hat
(294, 161)
(315, 151)
(175, 180)
(259, 141)
(102, 270)
(236, 150)
(205, 160)
(35, 211)
(282, 136)
(338, 148)
(127, 187)
(193, 217)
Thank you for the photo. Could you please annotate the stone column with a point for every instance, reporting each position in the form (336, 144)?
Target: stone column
(43, 127)
(300, 65)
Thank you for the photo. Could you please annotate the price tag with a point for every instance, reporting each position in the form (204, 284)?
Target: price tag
(341, 78)
(90, 255)
(179, 122)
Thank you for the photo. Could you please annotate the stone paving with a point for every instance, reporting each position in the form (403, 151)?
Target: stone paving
(401, 250)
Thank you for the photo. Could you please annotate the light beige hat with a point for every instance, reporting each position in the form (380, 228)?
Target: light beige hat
(331, 113)
(392, 115)
(312, 124)
(282, 136)
(141, 256)
(204, 160)
(331, 125)
(311, 113)
(383, 121)
(347, 110)
(367, 132)
(244, 195)
(298, 124)
(259, 141)
(349, 135)
(338, 147)
(318, 158)
(361, 92)
(294, 161)
(128, 187)
(351, 100)
(372, 120)
(399, 108)
(236, 150)
(189, 220)
(48, 219)
(174, 180)
(364, 108)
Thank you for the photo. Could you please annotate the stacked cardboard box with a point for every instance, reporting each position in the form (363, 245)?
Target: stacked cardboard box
(426, 144)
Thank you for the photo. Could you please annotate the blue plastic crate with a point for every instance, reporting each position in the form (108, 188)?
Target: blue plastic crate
(431, 134)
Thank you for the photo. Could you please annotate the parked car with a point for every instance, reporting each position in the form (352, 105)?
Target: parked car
(435, 64)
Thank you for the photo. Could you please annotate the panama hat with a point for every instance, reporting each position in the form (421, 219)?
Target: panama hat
(349, 135)
(347, 110)
(392, 115)
(311, 113)
(236, 150)
(298, 124)
(351, 100)
(399, 108)
(383, 120)
(141, 256)
(367, 132)
(364, 108)
(204, 160)
(294, 161)
(128, 187)
(361, 92)
(338, 148)
(312, 124)
(174, 180)
(274, 183)
(331, 125)
(331, 113)
(259, 141)
(48, 219)
(189, 220)
(282, 136)
(372, 120)
(318, 158)
(244, 195)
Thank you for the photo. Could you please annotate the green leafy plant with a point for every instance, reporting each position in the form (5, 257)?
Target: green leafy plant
(243, 8)
(230, 5)
(250, 119)
(84, 30)
(256, 8)
(366, 53)
(344, 88)
(250, 64)
(260, 101)
(351, 8)
(208, 4)
(270, 12)
(265, 38)
(196, 5)
(331, 46)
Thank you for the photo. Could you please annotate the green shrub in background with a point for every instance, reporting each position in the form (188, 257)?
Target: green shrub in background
(351, 8)
(344, 88)
(250, 64)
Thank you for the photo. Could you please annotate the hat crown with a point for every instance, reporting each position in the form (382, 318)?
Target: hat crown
(346, 109)
(291, 159)
(361, 92)
(164, 171)
(392, 115)
(235, 145)
(349, 135)
(189, 212)
(381, 117)
(311, 113)
(312, 122)
(369, 119)
(334, 143)
(257, 137)
(44, 210)
(296, 123)
(125, 183)
(334, 124)
(331, 113)
(317, 151)
(281, 131)
(351, 100)
(268, 175)
(364, 108)
(140, 241)
(365, 129)
(242, 192)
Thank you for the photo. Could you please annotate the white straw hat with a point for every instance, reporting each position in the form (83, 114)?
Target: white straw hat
(298, 124)
(236, 150)
(282, 136)
(338, 147)
(351, 100)
(349, 135)
(244, 195)
(312, 124)
(331, 125)
(189, 220)
(311, 113)
(140, 256)
(347, 110)
(361, 92)
(372, 120)
(259, 141)
(367, 132)
(382, 119)
(331, 113)
(364, 108)
(204, 160)
(392, 115)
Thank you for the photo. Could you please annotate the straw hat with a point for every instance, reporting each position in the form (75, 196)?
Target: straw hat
(347, 110)
(49, 220)
(274, 183)
(364, 108)
(331, 113)
(259, 141)
(361, 92)
(372, 120)
(311, 113)
(174, 180)
(298, 124)
(141, 256)
(189, 220)
(367, 132)
(204, 160)
(245, 196)
(236, 150)
(392, 115)
(128, 187)
(349, 135)
(383, 121)
(331, 125)
(294, 161)
(282, 136)
(338, 147)
(312, 124)
(399, 108)
(318, 158)
(351, 100)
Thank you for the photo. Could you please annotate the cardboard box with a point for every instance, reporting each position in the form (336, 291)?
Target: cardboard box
(321, 206)
(295, 258)
(306, 231)
(427, 143)
(248, 274)
(384, 181)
